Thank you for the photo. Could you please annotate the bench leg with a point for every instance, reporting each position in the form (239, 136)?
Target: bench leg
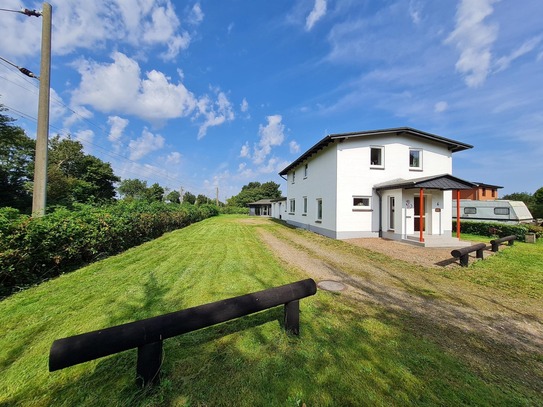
(479, 254)
(464, 260)
(148, 365)
(292, 317)
(495, 247)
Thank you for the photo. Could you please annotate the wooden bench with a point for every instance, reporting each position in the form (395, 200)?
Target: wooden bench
(463, 253)
(496, 242)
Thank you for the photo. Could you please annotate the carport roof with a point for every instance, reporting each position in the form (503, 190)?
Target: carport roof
(443, 182)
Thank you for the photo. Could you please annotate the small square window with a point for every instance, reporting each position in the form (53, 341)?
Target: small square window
(361, 202)
(377, 157)
(415, 159)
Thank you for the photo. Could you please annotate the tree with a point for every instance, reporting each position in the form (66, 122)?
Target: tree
(253, 192)
(17, 152)
(154, 193)
(173, 197)
(132, 188)
(201, 199)
(73, 176)
(525, 197)
(537, 211)
(189, 198)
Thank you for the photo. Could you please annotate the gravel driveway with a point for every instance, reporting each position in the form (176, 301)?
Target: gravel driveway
(463, 317)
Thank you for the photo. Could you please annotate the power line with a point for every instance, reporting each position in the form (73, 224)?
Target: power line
(23, 70)
(25, 11)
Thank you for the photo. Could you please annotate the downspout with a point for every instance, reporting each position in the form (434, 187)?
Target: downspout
(380, 210)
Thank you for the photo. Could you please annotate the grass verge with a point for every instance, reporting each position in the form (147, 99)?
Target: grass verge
(348, 353)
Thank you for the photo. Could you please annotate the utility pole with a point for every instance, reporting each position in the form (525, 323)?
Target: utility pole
(39, 197)
(217, 196)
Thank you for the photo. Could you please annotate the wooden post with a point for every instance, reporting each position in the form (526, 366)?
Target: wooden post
(458, 213)
(292, 317)
(421, 220)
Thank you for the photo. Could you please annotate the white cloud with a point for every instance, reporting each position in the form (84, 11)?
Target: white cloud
(441, 106)
(215, 113)
(118, 88)
(87, 24)
(474, 39)
(118, 124)
(415, 11)
(245, 150)
(244, 105)
(504, 62)
(144, 145)
(86, 137)
(174, 158)
(294, 147)
(270, 135)
(319, 10)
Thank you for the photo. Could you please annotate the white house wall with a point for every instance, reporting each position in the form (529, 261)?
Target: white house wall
(357, 178)
(320, 183)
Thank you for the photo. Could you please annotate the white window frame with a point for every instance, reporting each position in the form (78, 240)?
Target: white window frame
(419, 167)
(360, 206)
(293, 176)
(382, 154)
(304, 213)
(305, 171)
(318, 215)
(292, 206)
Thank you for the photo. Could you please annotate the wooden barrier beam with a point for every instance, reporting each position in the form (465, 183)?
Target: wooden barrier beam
(147, 334)
(496, 242)
(463, 253)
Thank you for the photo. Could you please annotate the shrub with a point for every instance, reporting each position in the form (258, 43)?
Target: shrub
(234, 210)
(499, 229)
(34, 249)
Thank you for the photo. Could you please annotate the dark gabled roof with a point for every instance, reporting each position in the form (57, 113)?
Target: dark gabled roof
(444, 182)
(261, 202)
(452, 145)
(483, 185)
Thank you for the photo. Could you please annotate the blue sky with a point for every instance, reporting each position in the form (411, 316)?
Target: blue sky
(215, 94)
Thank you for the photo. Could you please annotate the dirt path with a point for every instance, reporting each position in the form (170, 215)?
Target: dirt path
(462, 317)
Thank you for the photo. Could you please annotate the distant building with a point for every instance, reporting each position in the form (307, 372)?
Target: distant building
(481, 192)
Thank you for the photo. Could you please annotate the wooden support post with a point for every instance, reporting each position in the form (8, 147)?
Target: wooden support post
(479, 254)
(292, 317)
(421, 220)
(464, 260)
(149, 363)
(458, 213)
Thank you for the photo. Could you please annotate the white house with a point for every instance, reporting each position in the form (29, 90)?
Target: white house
(392, 183)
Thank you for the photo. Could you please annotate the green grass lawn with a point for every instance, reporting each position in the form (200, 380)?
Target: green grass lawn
(348, 353)
(516, 270)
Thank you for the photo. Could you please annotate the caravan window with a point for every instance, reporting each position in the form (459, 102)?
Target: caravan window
(501, 211)
(470, 211)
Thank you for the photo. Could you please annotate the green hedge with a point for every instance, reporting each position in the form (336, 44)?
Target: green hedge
(499, 229)
(234, 210)
(35, 249)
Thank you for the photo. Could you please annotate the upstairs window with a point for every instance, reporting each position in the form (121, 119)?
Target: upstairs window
(377, 157)
(305, 171)
(293, 177)
(415, 159)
